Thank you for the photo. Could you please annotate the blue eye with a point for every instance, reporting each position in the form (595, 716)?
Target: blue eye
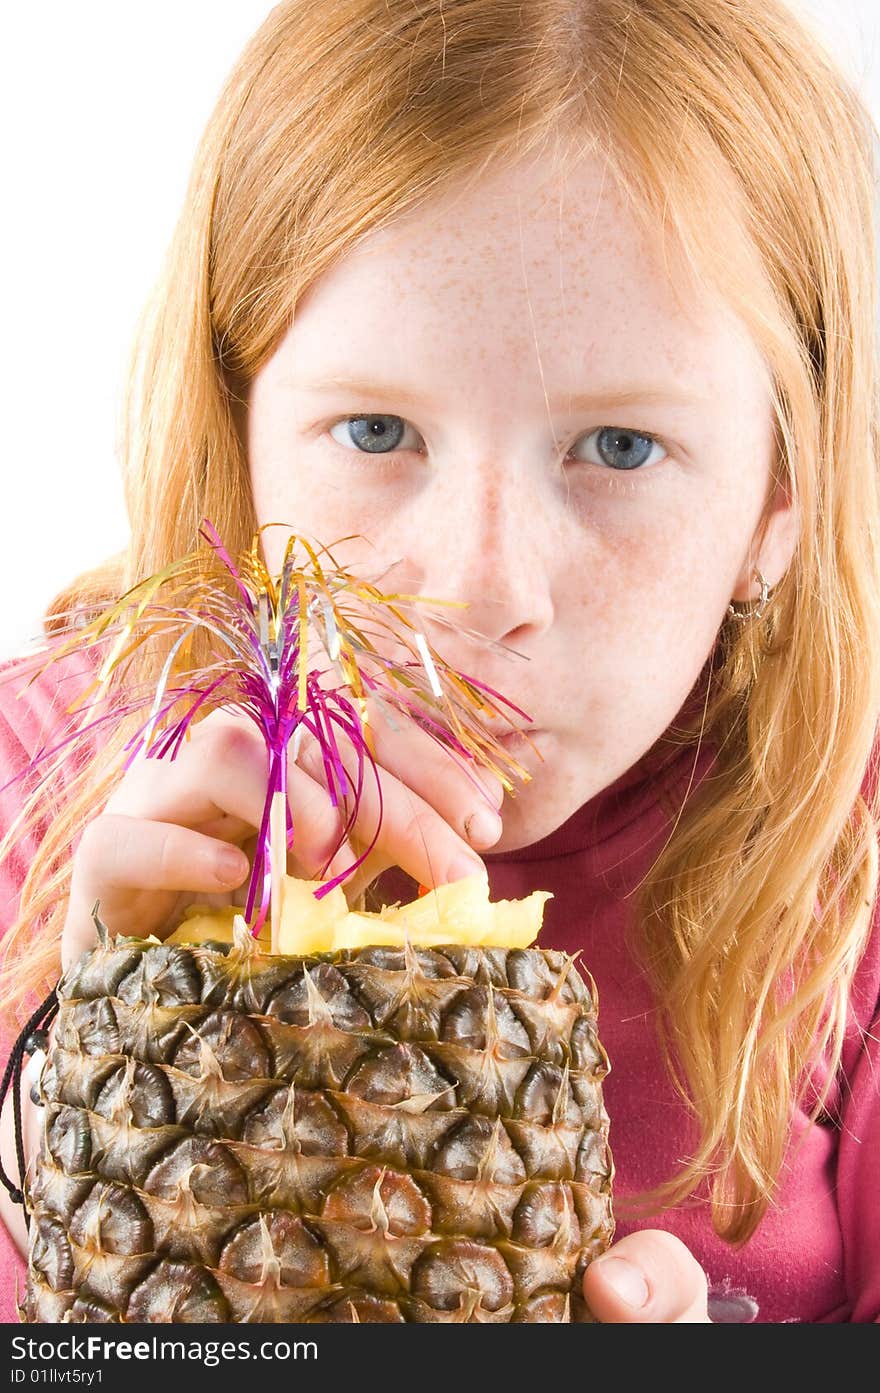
(618, 448)
(622, 449)
(372, 435)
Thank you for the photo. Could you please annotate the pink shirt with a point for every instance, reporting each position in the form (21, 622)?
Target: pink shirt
(816, 1255)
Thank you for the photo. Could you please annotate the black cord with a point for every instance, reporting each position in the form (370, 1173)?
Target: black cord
(31, 1038)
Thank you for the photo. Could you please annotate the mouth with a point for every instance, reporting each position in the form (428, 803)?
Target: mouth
(515, 738)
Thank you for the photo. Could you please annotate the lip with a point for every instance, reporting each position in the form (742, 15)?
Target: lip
(519, 737)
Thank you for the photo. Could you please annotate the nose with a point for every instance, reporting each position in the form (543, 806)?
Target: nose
(486, 540)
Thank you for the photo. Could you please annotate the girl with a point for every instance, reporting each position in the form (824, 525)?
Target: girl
(567, 310)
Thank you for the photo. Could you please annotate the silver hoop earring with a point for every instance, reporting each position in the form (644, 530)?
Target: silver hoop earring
(754, 611)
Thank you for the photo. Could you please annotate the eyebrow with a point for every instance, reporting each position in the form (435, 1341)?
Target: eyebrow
(654, 394)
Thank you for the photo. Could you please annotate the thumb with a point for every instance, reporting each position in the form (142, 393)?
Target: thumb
(648, 1276)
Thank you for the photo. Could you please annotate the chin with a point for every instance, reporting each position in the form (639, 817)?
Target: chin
(547, 801)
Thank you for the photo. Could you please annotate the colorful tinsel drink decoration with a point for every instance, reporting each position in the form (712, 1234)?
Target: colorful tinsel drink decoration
(260, 649)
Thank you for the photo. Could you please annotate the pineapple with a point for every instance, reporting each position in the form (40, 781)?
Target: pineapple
(375, 1124)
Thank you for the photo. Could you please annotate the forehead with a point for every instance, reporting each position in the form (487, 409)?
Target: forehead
(527, 265)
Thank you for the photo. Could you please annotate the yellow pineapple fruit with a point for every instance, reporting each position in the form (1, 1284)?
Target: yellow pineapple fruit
(356, 1128)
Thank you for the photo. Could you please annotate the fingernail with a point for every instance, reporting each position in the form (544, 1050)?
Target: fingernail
(624, 1279)
(483, 827)
(230, 865)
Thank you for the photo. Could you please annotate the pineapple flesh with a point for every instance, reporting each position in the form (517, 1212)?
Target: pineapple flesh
(394, 1132)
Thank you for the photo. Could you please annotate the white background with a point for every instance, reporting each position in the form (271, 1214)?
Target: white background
(102, 106)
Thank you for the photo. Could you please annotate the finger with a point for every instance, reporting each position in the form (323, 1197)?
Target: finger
(218, 784)
(119, 856)
(441, 776)
(649, 1276)
(216, 781)
(411, 833)
(344, 858)
(355, 884)
(223, 770)
(451, 782)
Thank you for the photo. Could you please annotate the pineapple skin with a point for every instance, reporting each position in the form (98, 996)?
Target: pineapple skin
(377, 1134)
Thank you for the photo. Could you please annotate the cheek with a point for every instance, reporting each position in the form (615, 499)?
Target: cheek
(322, 511)
(652, 597)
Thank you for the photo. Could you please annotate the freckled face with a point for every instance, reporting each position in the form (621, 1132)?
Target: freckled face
(601, 539)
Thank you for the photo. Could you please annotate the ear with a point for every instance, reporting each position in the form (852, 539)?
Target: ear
(772, 545)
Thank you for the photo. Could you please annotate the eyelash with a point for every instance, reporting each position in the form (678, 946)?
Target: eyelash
(619, 480)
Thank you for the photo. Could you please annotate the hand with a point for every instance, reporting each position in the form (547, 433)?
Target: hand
(157, 845)
(648, 1276)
